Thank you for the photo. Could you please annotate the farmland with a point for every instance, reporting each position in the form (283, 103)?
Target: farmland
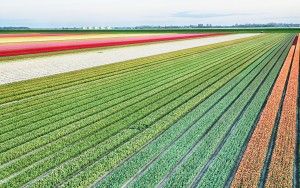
(224, 114)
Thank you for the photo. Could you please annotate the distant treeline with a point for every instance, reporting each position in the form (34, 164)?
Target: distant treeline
(14, 28)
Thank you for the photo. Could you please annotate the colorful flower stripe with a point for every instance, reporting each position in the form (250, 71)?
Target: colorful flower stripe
(283, 157)
(14, 40)
(22, 49)
(76, 39)
(249, 170)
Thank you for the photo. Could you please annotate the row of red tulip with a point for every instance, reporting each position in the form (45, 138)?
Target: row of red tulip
(34, 48)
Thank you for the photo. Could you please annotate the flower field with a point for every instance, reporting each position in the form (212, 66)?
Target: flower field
(46, 37)
(75, 42)
(220, 115)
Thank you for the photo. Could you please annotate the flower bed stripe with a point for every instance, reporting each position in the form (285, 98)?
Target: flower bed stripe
(66, 37)
(22, 49)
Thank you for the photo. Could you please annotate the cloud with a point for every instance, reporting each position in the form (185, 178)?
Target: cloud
(189, 14)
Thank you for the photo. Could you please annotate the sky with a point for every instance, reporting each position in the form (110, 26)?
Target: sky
(82, 13)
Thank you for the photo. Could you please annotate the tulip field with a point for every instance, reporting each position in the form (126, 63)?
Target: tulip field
(12, 46)
(219, 115)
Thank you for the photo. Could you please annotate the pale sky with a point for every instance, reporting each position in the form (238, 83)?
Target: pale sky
(69, 13)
